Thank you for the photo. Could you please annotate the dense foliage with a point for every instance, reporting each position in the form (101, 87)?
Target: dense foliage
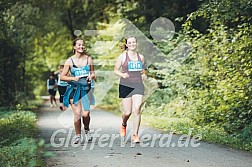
(18, 144)
(211, 88)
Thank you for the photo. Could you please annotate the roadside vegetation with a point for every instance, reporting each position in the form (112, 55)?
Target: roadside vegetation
(209, 92)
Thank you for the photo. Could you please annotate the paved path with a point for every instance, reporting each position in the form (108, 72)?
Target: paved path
(108, 149)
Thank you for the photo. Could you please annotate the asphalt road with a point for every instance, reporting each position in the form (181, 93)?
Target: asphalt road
(109, 149)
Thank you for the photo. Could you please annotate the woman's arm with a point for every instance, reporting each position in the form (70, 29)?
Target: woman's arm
(56, 72)
(144, 72)
(92, 73)
(118, 65)
(47, 84)
(64, 76)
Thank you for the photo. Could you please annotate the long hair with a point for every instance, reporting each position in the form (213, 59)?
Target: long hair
(74, 43)
(126, 39)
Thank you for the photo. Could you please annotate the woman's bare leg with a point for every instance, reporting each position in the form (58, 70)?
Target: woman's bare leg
(126, 104)
(136, 110)
(77, 116)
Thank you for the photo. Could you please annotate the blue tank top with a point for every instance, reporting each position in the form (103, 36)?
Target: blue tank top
(80, 71)
(61, 83)
(51, 84)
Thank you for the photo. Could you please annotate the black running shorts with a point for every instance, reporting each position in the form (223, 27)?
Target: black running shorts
(129, 89)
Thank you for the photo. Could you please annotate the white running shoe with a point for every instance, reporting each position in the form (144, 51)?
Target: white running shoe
(77, 139)
(88, 136)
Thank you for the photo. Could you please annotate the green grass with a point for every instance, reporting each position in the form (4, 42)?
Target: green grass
(183, 126)
(171, 118)
(18, 138)
(111, 108)
(15, 125)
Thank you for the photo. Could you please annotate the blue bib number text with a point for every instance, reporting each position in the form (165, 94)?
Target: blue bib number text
(81, 73)
(135, 66)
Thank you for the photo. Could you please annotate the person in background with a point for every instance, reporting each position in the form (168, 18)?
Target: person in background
(62, 85)
(52, 88)
(91, 93)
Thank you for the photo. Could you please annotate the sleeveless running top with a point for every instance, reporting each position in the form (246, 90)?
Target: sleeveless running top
(133, 68)
(82, 87)
(79, 71)
(61, 83)
(51, 83)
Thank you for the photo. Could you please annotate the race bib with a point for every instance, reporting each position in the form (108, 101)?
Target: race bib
(135, 66)
(81, 73)
(51, 87)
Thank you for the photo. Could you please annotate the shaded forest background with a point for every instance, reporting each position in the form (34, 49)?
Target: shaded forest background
(211, 90)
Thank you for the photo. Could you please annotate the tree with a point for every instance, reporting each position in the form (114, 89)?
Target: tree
(18, 21)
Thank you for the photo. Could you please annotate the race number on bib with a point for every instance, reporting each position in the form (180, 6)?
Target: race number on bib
(51, 87)
(135, 66)
(81, 73)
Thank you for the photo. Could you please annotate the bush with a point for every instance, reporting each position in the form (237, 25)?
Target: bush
(17, 135)
(15, 125)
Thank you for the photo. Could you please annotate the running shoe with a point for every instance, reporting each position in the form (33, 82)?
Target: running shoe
(88, 136)
(123, 131)
(63, 108)
(77, 139)
(135, 139)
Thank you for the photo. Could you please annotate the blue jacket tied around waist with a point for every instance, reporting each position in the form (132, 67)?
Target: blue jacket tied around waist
(82, 88)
